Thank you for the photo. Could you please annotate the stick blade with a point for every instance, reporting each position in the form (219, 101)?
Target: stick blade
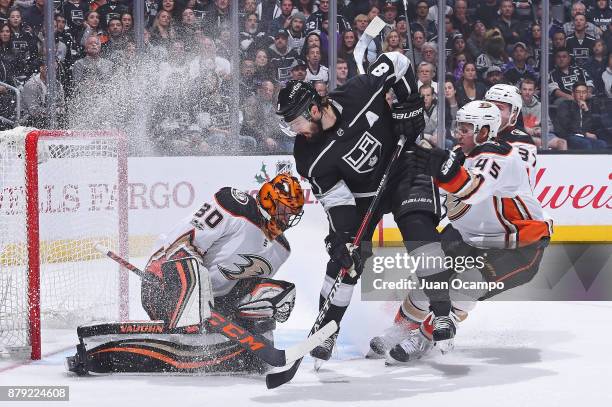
(375, 27)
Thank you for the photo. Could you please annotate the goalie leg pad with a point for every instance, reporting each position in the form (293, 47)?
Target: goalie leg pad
(142, 355)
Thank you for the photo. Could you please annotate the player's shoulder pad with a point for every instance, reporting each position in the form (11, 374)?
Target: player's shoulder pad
(518, 136)
(500, 148)
(238, 203)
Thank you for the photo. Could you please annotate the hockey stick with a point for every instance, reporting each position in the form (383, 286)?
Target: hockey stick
(274, 380)
(409, 37)
(251, 342)
(371, 31)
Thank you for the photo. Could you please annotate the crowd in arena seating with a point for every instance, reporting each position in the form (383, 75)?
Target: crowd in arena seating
(184, 72)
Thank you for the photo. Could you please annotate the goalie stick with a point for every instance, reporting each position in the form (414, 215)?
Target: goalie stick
(221, 324)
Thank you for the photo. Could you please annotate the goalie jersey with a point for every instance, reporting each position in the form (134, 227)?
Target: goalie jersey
(224, 234)
(490, 201)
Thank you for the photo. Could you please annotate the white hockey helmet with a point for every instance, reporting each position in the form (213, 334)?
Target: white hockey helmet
(509, 94)
(480, 113)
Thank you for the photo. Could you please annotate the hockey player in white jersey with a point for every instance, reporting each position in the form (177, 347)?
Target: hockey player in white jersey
(509, 101)
(225, 254)
(493, 214)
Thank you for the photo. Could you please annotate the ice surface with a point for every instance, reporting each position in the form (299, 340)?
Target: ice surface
(507, 354)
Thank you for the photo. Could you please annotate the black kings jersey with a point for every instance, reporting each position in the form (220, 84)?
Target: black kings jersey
(343, 164)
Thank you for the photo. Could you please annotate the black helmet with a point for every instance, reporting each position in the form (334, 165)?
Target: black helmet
(296, 97)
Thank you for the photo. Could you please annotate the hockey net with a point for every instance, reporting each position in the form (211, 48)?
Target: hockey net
(60, 193)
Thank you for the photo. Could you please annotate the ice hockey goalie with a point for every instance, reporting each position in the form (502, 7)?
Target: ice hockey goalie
(224, 255)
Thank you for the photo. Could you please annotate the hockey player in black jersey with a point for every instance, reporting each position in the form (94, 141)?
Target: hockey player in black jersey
(508, 99)
(342, 145)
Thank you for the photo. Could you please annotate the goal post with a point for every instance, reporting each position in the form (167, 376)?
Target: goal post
(60, 193)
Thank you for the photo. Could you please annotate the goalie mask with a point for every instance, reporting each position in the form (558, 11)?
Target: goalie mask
(510, 95)
(480, 114)
(294, 103)
(281, 201)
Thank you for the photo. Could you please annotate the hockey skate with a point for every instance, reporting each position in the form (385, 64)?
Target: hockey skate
(323, 352)
(380, 345)
(411, 348)
(443, 332)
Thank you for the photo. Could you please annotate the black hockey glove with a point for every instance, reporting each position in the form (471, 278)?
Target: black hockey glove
(408, 118)
(340, 249)
(436, 162)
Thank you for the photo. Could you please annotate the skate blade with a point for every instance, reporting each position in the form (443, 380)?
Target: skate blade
(317, 364)
(446, 346)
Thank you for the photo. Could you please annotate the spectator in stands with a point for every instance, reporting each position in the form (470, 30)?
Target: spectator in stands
(188, 27)
(74, 12)
(460, 19)
(347, 47)
(90, 27)
(281, 57)
(601, 15)
(563, 77)
(284, 20)
(342, 71)
(247, 7)
(7, 75)
(392, 43)
(115, 8)
(596, 66)
(24, 44)
(607, 77)
(532, 117)
(429, 50)
(495, 53)
(260, 121)
(507, 24)
(455, 67)
(518, 69)
(34, 99)
(422, 23)
(373, 11)
(33, 16)
(493, 76)
(298, 70)
(476, 43)
(557, 42)
(458, 47)
(306, 7)
(487, 12)
(425, 75)
(263, 71)
(579, 43)
(321, 88)
(296, 31)
(430, 131)
(252, 38)
(315, 21)
(247, 83)
(576, 121)
(534, 42)
(418, 40)
(216, 16)
(209, 60)
(607, 36)
(469, 88)
(389, 16)
(432, 14)
(163, 32)
(267, 10)
(117, 40)
(401, 26)
(174, 71)
(128, 23)
(313, 39)
(314, 70)
(450, 94)
(5, 6)
(591, 29)
(92, 68)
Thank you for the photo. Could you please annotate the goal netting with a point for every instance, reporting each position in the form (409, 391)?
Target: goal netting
(60, 193)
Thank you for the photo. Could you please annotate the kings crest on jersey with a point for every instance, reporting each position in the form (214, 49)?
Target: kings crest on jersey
(225, 234)
(341, 165)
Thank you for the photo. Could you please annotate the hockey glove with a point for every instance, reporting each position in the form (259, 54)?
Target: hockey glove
(341, 250)
(436, 162)
(408, 118)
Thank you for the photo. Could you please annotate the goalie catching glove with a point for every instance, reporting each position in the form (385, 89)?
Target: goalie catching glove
(436, 162)
(408, 118)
